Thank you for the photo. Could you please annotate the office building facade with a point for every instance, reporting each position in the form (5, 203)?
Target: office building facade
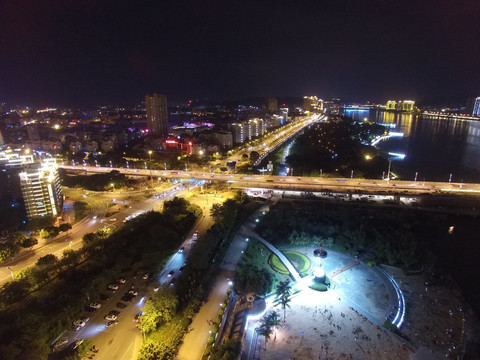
(40, 184)
(157, 115)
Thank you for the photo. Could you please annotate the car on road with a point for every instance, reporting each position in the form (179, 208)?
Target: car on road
(59, 343)
(110, 323)
(75, 344)
(95, 305)
(127, 297)
(181, 268)
(146, 276)
(195, 234)
(172, 282)
(104, 297)
(111, 317)
(181, 250)
(133, 292)
(121, 281)
(171, 273)
(121, 305)
(113, 287)
(79, 323)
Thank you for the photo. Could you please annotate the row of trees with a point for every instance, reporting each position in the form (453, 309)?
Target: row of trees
(167, 316)
(395, 236)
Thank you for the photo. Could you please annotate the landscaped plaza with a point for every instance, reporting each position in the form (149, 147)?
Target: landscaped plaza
(349, 320)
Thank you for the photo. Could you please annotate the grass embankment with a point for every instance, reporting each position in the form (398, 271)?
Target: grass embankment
(299, 261)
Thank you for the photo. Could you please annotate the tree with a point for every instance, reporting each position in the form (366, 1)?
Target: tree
(160, 309)
(274, 320)
(90, 238)
(265, 329)
(64, 227)
(14, 291)
(46, 260)
(284, 290)
(7, 251)
(49, 231)
(29, 242)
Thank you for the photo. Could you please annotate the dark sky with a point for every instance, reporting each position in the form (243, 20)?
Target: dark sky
(91, 52)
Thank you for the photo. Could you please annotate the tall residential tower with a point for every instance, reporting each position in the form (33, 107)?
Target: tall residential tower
(157, 116)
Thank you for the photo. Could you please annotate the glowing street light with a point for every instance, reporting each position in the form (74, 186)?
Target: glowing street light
(150, 154)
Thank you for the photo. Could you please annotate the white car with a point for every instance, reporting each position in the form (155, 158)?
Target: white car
(111, 317)
(79, 323)
(113, 287)
(133, 292)
(121, 281)
(95, 305)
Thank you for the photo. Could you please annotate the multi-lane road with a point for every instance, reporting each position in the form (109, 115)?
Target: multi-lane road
(301, 183)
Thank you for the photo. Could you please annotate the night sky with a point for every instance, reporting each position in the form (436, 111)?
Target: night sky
(92, 52)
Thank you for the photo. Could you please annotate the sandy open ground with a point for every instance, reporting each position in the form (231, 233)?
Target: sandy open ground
(320, 326)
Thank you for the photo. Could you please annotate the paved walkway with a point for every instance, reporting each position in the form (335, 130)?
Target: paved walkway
(341, 270)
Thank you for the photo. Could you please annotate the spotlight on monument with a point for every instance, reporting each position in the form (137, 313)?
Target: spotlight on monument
(320, 280)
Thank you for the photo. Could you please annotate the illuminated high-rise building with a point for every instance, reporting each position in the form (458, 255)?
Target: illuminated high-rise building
(157, 116)
(312, 104)
(402, 105)
(476, 107)
(40, 184)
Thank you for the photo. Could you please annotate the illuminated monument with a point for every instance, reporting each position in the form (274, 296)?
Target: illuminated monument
(318, 272)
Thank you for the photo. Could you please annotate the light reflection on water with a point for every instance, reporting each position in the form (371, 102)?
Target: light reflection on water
(435, 148)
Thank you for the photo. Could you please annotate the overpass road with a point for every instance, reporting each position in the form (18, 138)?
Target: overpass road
(301, 183)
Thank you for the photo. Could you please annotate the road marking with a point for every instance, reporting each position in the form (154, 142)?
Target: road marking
(127, 350)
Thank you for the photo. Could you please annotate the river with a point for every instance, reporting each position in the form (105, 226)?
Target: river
(433, 148)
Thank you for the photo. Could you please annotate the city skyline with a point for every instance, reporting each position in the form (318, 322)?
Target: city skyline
(90, 53)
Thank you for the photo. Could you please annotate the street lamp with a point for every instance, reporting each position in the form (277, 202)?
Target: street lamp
(389, 166)
(112, 185)
(150, 154)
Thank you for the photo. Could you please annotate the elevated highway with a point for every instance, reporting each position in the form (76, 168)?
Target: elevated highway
(306, 184)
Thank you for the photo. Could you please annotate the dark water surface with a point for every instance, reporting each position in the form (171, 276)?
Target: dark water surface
(435, 148)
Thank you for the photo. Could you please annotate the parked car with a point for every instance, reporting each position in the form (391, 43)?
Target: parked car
(121, 305)
(95, 305)
(111, 317)
(121, 281)
(75, 344)
(171, 273)
(146, 276)
(104, 297)
(110, 323)
(79, 323)
(113, 287)
(133, 292)
(127, 297)
(59, 343)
